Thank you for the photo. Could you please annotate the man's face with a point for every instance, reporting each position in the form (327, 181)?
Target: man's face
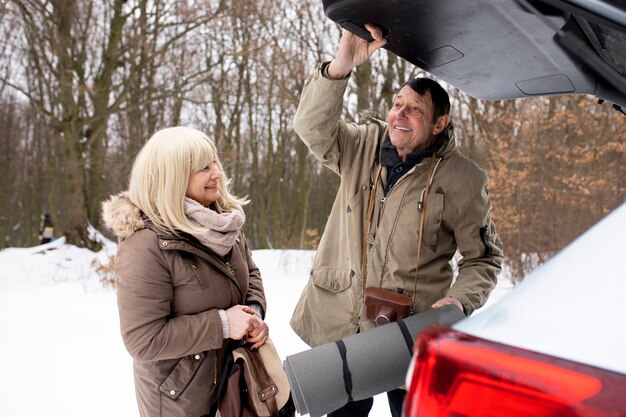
(410, 119)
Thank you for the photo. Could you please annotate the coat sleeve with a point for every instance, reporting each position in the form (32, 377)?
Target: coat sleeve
(144, 296)
(318, 123)
(480, 248)
(255, 293)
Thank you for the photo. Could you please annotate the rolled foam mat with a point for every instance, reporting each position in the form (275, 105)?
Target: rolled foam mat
(376, 361)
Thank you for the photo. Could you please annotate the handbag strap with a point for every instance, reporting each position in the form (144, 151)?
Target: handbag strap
(268, 387)
(227, 367)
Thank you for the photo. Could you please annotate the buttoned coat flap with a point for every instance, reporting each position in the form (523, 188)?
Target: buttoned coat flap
(332, 279)
(181, 375)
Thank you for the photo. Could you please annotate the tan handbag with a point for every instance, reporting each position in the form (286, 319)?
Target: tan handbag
(256, 385)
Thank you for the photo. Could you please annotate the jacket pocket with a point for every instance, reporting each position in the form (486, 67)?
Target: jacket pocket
(359, 199)
(491, 242)
(182, 374)
(332, 280)
(195, 273)
(434, 217)
(193, 266)
(325, 310)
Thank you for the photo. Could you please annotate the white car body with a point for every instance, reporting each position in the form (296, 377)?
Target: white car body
(573, 306)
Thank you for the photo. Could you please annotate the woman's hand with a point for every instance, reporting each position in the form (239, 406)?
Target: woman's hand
(243, 323)
(353, 51)
(259, 334)
(241, 320)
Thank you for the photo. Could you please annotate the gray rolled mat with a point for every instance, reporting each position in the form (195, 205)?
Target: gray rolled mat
(377, 361)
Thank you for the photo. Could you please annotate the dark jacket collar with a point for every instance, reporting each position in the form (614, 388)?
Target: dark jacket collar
(389, 154)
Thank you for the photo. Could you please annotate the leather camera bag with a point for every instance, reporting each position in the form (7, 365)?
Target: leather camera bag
(385, 306)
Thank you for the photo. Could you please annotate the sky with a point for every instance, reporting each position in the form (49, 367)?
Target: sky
(61, 353)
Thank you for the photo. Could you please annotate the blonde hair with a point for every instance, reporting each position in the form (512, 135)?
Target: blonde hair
(158, 180)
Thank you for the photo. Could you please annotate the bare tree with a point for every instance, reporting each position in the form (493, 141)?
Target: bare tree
(84, 83)
(83, 62)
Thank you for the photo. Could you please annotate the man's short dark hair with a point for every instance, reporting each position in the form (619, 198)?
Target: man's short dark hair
(440, 98)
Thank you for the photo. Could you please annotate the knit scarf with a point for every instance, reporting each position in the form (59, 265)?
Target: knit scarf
(220, 229)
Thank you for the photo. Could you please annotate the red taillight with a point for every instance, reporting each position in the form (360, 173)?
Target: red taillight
(460, 375)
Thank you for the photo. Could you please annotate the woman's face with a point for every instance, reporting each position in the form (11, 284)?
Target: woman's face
(203, 185)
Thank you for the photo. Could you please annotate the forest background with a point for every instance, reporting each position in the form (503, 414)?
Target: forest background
(84, 83)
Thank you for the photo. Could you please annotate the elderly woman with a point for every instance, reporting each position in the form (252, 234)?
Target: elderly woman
(186, 280)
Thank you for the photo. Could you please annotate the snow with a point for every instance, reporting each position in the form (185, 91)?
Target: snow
(61, 352)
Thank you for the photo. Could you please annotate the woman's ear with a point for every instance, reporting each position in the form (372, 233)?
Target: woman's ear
(441, 124)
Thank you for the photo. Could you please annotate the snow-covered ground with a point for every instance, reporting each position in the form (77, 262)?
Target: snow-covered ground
(61, 353)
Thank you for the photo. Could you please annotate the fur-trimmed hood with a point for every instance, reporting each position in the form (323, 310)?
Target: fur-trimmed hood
(121, 215)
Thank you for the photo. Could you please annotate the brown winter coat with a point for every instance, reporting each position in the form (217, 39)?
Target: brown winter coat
(169, 292)
(457, 217)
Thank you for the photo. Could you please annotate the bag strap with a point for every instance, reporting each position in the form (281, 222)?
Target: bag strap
(421, 205)
(268, 387)
(368, 222)
(227, 367)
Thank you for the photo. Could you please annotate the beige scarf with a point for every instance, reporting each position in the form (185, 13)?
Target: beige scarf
(221, 229)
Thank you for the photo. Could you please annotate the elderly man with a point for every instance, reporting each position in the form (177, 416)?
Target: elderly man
(407, 201)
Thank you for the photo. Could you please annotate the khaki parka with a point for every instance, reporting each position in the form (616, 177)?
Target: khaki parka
(457, 217)
(169, 291)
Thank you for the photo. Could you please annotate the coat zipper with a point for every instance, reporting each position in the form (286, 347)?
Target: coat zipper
(216, 360)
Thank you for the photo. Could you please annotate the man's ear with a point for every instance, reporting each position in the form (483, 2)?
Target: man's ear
(441, 124)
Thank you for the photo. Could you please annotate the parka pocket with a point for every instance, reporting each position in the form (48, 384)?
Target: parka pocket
(359, 199)
(490, 239)
(182, 374)
(434, 217)
(195, 273)
(332, 280)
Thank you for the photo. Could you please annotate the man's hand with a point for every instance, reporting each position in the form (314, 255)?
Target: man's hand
(353, 51)
(447, 301)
